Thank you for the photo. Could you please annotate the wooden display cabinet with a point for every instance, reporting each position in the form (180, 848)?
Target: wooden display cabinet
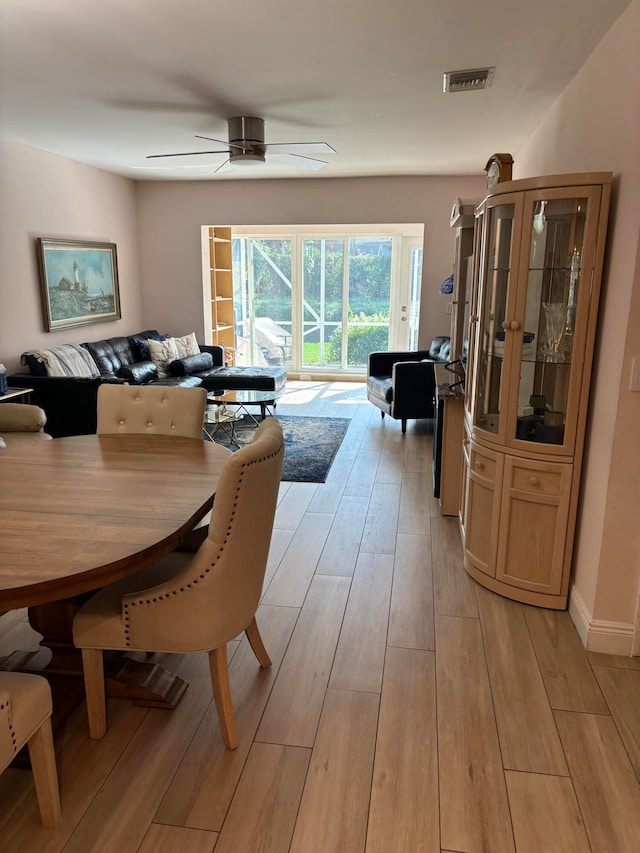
(463, 220)
(541, 248)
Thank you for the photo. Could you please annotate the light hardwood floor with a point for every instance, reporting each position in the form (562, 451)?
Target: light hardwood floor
(407, 709)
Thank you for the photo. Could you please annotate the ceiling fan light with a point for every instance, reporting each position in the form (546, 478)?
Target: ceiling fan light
(247, 158)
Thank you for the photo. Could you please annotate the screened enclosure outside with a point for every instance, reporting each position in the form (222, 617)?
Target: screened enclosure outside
(324, 302)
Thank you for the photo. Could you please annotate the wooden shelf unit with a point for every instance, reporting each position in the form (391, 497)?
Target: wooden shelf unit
(220, 270)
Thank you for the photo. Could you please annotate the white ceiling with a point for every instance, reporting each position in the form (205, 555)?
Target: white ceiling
(108, 82)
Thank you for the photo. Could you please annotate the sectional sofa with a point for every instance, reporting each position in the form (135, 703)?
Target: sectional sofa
(70, 400)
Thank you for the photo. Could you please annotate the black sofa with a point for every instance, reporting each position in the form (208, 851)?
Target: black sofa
(402, 384)
(70, 402)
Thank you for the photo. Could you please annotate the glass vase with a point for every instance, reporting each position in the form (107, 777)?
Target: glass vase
(555, 314)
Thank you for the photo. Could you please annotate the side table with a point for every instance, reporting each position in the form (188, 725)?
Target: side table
(14, 394)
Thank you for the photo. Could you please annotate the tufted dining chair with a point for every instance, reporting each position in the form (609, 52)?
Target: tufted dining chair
(20, 423)
(151, 409)
(25, 717)
(195, 602)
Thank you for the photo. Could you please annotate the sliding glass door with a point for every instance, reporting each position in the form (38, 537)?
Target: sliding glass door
(325, 302)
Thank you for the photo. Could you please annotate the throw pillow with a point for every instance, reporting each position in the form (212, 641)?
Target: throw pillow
(138, 373)
(187, 345)
(162, 353)
(191, 364)
(143, 345)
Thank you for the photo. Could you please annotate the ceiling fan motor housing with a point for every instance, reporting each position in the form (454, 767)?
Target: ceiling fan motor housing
(249, 131)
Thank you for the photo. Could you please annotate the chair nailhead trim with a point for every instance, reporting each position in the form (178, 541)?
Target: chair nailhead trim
(12, 731)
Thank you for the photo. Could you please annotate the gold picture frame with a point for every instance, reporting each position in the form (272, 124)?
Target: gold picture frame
(79, 280)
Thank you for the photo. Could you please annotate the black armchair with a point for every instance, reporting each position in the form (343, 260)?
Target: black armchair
(402, 384)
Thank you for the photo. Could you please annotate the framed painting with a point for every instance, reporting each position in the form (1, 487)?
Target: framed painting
(79, 282)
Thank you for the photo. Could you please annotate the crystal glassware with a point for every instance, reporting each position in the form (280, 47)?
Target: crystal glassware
(555, 314)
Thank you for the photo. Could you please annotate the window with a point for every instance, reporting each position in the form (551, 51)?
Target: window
(320, 299)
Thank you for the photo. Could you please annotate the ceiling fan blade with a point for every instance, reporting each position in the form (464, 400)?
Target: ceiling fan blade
(230, 144)
(185, 154)
(302, 148)
(297, 160)
(224, 167)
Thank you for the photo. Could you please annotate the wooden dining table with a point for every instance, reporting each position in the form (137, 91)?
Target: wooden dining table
(80, 512)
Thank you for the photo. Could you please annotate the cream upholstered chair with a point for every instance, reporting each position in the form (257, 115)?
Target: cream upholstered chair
(21, 423)
(25, 717)
(195, 602)
(151, 409)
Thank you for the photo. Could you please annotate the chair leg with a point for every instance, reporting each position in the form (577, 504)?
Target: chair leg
(404, 425)
(255, 640)
(45, 776)
(93, 668)
(222, 696)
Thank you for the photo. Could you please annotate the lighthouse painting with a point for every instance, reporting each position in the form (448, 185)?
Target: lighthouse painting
(79, 283)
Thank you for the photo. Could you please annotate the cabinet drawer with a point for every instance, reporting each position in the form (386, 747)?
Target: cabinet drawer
(482, 464)
(536, 482)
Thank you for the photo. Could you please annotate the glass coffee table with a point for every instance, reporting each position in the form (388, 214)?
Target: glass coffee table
(241, 400)
(220, 419)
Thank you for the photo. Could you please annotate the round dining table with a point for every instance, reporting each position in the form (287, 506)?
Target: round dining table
(80, 512)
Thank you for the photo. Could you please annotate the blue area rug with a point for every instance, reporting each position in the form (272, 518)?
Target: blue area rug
(310, 445)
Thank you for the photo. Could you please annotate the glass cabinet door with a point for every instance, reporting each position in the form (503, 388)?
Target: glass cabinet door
(470, 322)
(496, 303)
(552, 313)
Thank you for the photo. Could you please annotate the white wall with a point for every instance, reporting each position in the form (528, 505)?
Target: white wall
(171, 215)
(595, 126)
(44, 195)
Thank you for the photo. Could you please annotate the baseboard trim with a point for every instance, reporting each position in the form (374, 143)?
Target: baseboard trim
(598, 635)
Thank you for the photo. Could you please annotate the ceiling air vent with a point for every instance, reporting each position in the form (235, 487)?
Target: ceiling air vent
(468, 81)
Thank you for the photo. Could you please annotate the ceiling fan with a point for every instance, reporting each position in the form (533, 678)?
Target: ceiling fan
(246, 146)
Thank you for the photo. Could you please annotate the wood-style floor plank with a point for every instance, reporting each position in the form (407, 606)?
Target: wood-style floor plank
(280, 541)
(293, 505)
(170, 839)
(474, 812)
(545, 814)
(263, 812)
(528, 737)
(607, 789)
(621, 688)
(203, 785)
(411, 617)
(340, 551)
(453, 589)
(390, 465)
(291, 580)
(618, 661)
(292, 713)
(414, 515)
(335, 801)
(568, 678)
(404, 812)
(381, 526)
(359, 658)
(363, 474)
(418, 449)
(328, 495)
